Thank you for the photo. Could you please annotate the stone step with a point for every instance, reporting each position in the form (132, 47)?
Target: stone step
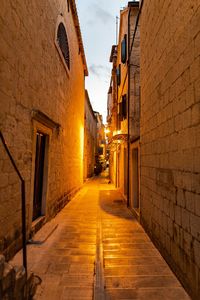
(144, 294)
(125, 240)
(138, 260)
(138, 270)
(130, 252)
(133, 282)
(125, 246)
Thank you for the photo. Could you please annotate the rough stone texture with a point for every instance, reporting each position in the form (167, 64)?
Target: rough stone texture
(33, 76)
(134, 114)
(170, 133)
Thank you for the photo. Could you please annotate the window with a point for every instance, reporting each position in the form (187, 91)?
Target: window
(62, 41)
(100, 150)
(68, 5)
(118, 122)
(123, 109)
(124, 49)
(119, 75)
(120, 112)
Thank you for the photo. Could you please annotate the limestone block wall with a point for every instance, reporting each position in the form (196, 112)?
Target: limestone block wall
(33, 76)
(170, 133)
(134, 65)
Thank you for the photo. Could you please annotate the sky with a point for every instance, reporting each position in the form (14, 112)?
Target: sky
(98, 27)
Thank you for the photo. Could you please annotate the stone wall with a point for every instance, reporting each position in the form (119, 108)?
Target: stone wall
(134, 65)
(170, 133)
(33, 76)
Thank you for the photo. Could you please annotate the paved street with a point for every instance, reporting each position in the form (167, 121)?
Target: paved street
(98, 244)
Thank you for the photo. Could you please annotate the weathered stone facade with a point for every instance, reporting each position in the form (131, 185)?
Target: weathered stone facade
(90, 138)
(101, 143)
(39, 94)
(112, 115)
(125, 112)
(170, 133)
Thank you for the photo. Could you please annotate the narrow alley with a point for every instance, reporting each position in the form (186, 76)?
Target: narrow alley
(100, 150)
(99, 251)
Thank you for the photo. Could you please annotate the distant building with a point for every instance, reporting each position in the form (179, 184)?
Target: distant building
(101, 142)
(123, 107)
(112, 112)
(43, 67)
(90, 138)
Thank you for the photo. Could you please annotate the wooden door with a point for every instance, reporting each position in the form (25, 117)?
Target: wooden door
(39, 174)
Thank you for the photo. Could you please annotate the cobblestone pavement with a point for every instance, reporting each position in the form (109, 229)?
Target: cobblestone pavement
(98, 244)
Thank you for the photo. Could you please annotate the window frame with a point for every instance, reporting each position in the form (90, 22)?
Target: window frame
(124, 49)
(60, 20)
(118, 74)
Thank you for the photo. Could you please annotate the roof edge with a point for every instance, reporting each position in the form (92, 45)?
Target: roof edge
(79, 35)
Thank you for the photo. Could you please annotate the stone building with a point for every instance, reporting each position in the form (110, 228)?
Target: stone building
(170, 133)
(42, 71)
(112, 116)
(123, 107)
(90, 138)
(101, 142)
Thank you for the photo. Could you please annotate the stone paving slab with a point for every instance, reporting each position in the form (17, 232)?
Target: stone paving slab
(99, 251)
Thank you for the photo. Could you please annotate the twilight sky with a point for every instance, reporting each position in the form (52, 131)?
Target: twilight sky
(98, 26)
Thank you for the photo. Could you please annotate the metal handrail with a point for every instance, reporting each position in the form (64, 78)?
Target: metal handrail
(23, 202)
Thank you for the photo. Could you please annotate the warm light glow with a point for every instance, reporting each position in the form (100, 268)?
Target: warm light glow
(107, 130)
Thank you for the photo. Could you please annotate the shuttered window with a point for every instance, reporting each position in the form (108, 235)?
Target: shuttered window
(63, 43)
(119, 75)
(123, 109)
(124, 49)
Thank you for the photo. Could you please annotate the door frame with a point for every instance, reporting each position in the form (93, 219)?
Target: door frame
(135, 146)
(38, 127)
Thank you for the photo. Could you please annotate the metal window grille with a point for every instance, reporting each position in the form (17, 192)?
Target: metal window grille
(63, 43)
